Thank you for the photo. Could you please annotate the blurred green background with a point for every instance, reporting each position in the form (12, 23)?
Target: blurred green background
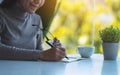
(75, 20)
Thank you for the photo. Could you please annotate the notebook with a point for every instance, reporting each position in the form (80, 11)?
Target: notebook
(72, 58)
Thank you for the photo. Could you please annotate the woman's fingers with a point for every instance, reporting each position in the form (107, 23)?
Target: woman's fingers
(53, 54)
(56, 42)
(61, 52)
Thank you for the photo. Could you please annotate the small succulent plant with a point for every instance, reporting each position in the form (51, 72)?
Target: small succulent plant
(110, 34)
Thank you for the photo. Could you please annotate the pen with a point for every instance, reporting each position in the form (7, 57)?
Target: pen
(53, 46)
(66, 57)
(48, 38)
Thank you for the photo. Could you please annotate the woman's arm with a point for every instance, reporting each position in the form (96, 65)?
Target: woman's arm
(13, 53)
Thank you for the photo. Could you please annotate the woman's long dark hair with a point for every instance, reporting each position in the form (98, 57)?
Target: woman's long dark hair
(7, 3)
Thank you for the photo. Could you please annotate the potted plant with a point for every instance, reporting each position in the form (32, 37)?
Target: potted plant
(110, 37)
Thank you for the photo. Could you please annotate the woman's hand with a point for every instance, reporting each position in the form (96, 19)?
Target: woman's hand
(56, 42)
(53, 54)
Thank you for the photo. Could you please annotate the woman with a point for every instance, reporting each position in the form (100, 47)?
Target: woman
(19, 38)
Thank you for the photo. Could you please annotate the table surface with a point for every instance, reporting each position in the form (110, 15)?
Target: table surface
(95, 65)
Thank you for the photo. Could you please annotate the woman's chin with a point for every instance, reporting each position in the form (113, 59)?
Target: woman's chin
(31, 12)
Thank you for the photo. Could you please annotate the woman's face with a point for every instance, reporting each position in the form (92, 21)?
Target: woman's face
(30, 5)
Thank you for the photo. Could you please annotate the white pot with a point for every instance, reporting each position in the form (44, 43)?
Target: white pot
(110, 51)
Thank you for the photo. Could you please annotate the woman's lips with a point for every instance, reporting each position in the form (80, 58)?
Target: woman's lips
(35, 6)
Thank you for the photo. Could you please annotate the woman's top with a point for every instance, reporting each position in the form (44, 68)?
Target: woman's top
(19, 39)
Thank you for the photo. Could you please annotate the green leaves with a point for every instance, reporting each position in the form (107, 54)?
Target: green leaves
(110, 34)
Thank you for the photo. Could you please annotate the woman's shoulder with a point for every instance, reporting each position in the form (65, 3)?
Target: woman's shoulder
(37, 19)
(36, 16)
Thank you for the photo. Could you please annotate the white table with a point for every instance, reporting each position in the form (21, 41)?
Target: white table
(93, 66)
